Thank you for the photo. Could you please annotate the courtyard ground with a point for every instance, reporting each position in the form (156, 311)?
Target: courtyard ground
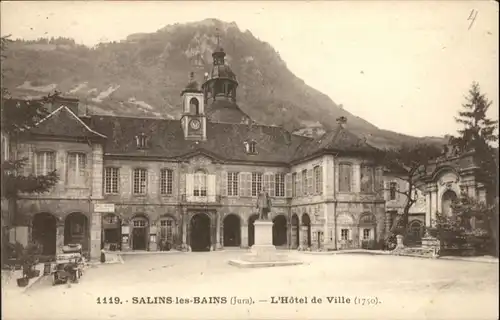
(403, 287)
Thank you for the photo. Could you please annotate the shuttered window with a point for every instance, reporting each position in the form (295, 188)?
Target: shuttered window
(304, 183)
(279, 184)
(318, 180)
(256, 183)
(77, 169)
(288, 185)
(294, 184)
(232, 183)
(45, 162)
(366, 179)
(223, 184)
(310, 182)
(200, 184)
(392, 190)
(245, 184)
(345, 177)
(269, 184)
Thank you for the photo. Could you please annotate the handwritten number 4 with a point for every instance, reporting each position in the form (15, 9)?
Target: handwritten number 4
(472, 18)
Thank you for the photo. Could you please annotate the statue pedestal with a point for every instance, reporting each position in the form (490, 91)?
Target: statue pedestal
(263, 253)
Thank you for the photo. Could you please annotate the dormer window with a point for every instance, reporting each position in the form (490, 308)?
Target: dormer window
(251, 147)
(141, 141)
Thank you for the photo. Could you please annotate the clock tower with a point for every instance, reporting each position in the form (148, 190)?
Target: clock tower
(193, 120)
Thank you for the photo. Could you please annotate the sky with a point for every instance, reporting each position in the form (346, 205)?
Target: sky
(404, 66)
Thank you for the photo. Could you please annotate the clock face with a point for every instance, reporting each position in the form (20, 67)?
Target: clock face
(195, 124)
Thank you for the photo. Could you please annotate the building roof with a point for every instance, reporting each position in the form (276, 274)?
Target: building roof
(224, 110)
(339, 140)
(224, 140)
(62, 122)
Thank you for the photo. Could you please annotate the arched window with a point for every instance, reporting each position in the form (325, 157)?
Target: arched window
(194, 106)
(200, 184)
(447, 200)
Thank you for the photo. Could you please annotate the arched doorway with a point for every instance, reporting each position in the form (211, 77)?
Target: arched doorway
(415, 233)
(44, 232)
(279, 230)
(232, 230)
(200, 232)
(140, 227)
(446, 201)
(76, 230)
(306, 227)
(295, 231)
(251, 229)
(111, 225)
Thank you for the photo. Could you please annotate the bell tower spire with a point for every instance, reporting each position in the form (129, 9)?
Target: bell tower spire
(220, 83)
(193, 120)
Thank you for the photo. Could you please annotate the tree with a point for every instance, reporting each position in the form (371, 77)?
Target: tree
(472, 227)
(17, 117)
(478, 134)
(409, 162)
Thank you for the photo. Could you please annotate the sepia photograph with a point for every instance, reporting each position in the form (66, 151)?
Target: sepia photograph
(249, 160)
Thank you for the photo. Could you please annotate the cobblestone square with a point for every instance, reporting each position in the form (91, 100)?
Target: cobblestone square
(402, 287)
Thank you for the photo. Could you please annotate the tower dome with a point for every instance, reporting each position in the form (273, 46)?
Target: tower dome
(219, 91)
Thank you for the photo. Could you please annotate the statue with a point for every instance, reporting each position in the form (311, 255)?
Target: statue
(263, 205)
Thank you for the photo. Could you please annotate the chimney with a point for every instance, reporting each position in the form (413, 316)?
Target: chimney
(342, 121)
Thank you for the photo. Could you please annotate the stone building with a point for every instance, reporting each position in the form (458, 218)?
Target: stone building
(140, 183)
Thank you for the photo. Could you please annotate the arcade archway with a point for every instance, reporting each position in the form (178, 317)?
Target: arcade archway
(76, 230)
(232, 231)
(44, 232)
(279, 231)
(251, 230)
(295, 231)
(200, 232)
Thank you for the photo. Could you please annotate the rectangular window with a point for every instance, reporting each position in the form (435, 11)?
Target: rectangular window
(140, 181)
(280, 184)
(344, 234)
(256, 183)
(345, 172)
(45, 162)
(166, 181)
(304, 182)
(77, 169)
(294, 184)
(366, 234)
(111, 180)
(366, 179)
(318, 180)
(232, 183)
(392, 190)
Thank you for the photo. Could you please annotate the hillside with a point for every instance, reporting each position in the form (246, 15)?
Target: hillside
(144, 74)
